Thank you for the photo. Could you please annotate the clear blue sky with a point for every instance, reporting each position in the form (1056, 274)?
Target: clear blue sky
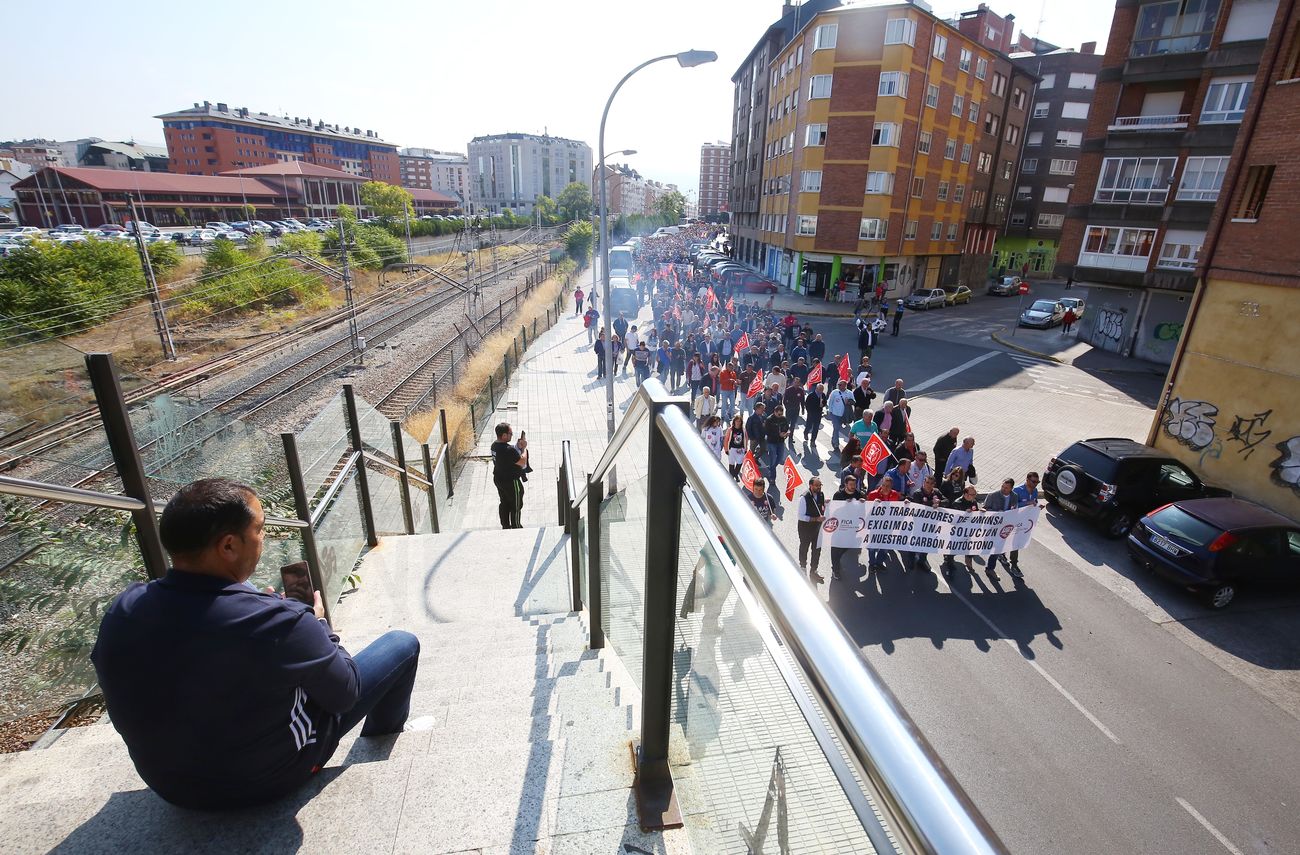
(429, 74)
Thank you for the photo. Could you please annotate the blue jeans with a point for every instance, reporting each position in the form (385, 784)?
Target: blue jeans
(837, 424)
(728, 404)
(775, 456)
(386, 671)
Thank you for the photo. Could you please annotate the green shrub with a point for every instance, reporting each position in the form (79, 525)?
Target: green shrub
(58, 289)
(164, 256)
(308, 243)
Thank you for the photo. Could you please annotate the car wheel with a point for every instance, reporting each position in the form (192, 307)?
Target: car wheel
(1220, 597)
(1117, 525)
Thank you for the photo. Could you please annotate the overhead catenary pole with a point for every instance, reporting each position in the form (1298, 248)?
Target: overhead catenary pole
(155, 303)
(354, 336)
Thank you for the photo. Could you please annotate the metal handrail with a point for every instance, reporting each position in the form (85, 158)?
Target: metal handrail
(76, 496)
(639, 407)
(419, 479)
(334, 488)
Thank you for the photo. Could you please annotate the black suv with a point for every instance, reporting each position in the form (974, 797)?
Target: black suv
(1115, 481)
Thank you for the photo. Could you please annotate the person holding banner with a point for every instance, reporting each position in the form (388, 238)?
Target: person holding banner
(969, 502)
(877, 558)
(928, 495)
(811, 514)
(1026, 496)
(733, 444)
(1003, 500)
(848, 492)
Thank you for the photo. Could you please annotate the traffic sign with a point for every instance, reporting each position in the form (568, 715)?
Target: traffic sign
(1024, 288)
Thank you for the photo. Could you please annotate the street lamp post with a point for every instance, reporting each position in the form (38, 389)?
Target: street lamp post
(686, 59)
(600, 170)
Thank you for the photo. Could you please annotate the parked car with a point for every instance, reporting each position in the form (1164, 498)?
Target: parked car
(954, 296)
(749, 282)
(623, 297)
(1213, 546)
(1007, 286)
(111, 229)
(1114, 481)
(1043, 313)
(1075, 303)
(145, 228)
(67, 229)
(217, 226)
(29, 231)
(926, 298)
(10, 243)
(199, 237)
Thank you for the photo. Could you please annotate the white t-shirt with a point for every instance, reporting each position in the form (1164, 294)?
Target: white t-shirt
(632, 339)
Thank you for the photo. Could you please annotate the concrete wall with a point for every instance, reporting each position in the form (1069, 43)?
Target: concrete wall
(1233, 413)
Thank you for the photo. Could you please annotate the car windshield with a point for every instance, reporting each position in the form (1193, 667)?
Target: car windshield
(1043, 306)
(1182, 525)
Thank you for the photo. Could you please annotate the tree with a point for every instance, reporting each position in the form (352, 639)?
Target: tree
(670, 206)
(577, 240)
(387, 200)
(546, 209)
(575, 201)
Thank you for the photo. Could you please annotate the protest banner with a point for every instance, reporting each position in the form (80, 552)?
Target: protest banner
(910, 527)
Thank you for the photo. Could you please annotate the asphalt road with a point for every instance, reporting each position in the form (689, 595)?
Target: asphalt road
(1091, 707)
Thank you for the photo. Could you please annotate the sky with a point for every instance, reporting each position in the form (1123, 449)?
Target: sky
(429, 74)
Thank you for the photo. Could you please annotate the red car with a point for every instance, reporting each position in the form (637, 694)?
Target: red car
(752, 283)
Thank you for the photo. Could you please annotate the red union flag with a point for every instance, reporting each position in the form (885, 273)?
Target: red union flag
(756, 386)
(792, 478)
(749, 470)
(874, 452)
(815, 376)
(710, 298)
(846, 370)
(743, 342)
(731, 305)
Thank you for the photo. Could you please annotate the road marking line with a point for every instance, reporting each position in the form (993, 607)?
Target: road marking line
(1051, 681)
(939, 378)
(1227, 844)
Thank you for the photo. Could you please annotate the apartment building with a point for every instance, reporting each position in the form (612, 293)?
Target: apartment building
(430, 169)
(715, 178)
(1171, 95)
(1062, 101)
(509, 171)
(888, 131)
(1230, 410)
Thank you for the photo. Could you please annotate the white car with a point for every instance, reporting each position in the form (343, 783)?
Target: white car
(25, 231)
(12, 243)
(1076, 303)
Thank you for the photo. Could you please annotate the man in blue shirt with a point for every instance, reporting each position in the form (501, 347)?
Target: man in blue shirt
(1026, 495)
(227, 696)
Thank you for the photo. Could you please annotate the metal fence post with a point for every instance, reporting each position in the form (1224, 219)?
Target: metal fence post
(442, 420)
(656, 800)
(561, 488)
(303, 508)
(575, 552)
(399, 454)
(354, 431)
(492, 394)
(126, 457)
(433, 490)
(595, 590)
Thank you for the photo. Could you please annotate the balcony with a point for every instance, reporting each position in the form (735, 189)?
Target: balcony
(1176, 122)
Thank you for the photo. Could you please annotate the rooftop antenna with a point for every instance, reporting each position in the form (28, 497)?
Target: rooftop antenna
(1042, 15)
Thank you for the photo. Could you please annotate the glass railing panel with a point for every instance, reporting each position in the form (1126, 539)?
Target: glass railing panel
(385, 500)
(742, 739)
(622, 572)
(420, 506)
(441, 494)
(583, 555)
(340, 538)
(323, 446)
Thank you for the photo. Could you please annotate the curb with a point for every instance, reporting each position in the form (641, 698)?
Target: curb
(1000, 340)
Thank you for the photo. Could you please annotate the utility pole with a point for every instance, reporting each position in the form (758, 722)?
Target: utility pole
(155, 303)
(354, 335)
(406, 214)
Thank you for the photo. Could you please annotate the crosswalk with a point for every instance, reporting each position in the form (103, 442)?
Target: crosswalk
(1058, 379)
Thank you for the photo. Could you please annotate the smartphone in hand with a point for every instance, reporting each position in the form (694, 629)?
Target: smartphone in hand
(297, 582)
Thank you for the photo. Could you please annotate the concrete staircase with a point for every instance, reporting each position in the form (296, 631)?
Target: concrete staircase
(524, 746)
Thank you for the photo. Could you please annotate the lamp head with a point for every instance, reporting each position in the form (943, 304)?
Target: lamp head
(692, 58)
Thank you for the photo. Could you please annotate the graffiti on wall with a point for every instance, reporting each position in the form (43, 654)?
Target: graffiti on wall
(1286, 468)
(1110, 325)
(1167, 331)
(1195, 424)
(1249, 432)
(1191, 422)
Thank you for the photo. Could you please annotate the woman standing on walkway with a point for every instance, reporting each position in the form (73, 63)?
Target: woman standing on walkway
(712, 434)
(734, 442)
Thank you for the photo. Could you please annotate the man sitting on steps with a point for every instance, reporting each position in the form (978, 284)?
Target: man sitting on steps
(227, 696)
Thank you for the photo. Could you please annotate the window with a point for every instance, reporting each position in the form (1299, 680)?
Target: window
(1018, 218)
(1024, 193)
(936, 230)
(1081, 80)
(1051, 221)
(885, 133)
(1042, 110)
(999, 85)
(1034, 138)
(976, 200)
(798, 58)
(991, 124)
(1202, 178)
(1049, 81)
(810, 181)
(807, 225)
(1225, 100)
(880, 182)
(1180, 250)
(824, 36)
(1175, 26)
(959, 193)
(940, 48)
(1252, 198)
(958, 104)
(1013, 133)
(943, 191)
(1056, 195)
(900, 31)
(950, 149)
(819, 86)
(893, 83)
(815, 135)
(932, 96)
(965, 153)
(909, 231)
(1069, 139)
(1063, 167)
(1074, 110)
(1117, 248)
(923, 142)
(872, 229)
(963, 59)
(1135, 180)
(984, 163)
(918, 187)
(973, 114)
(1291, 60)
(1250, 19)
(952, 231)
(1018, 98)
(1007, 167)
(981, 68)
